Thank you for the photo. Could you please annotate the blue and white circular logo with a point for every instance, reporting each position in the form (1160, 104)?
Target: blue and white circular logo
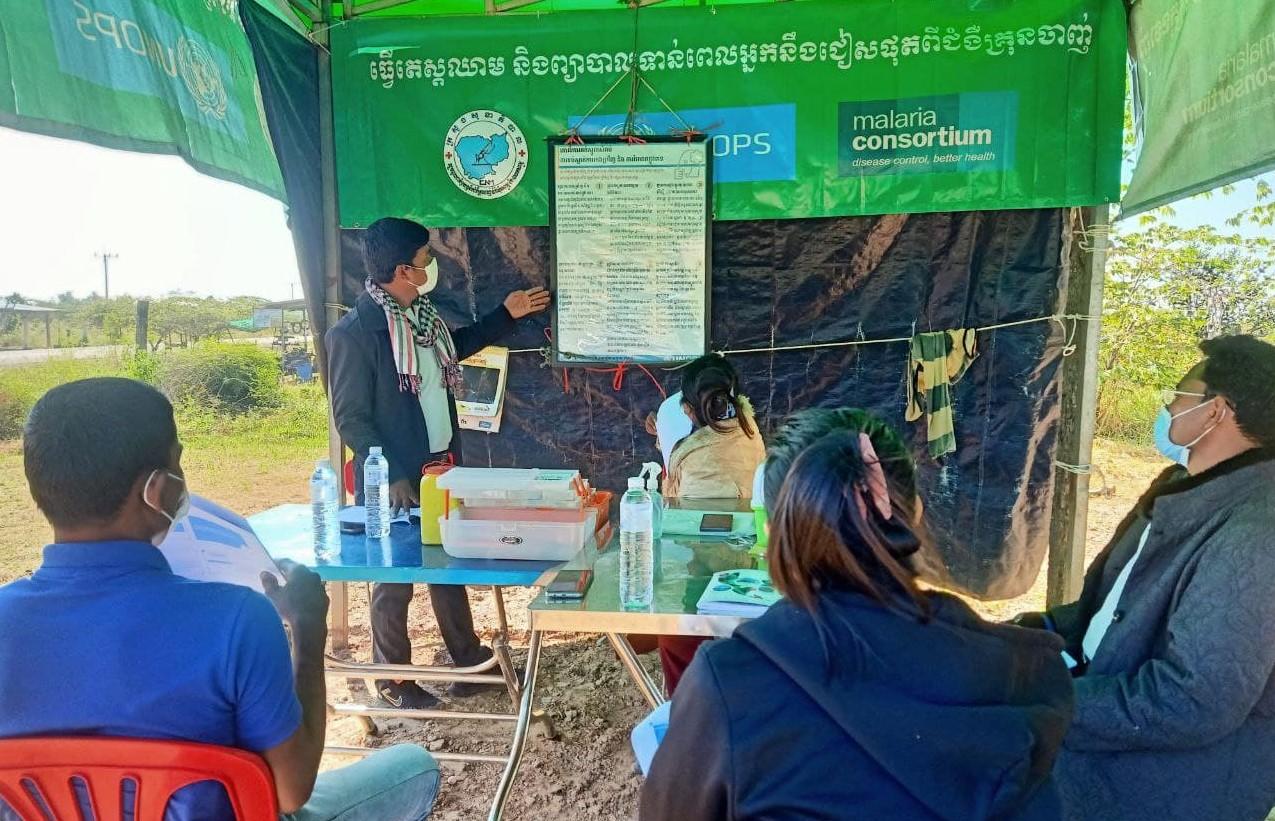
(485, 154)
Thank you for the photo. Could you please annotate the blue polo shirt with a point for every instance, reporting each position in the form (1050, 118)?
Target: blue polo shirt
(104, 639)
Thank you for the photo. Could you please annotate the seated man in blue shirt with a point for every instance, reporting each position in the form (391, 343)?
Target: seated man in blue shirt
(104, 639)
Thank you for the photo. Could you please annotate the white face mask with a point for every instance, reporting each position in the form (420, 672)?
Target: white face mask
(183, 506)
(431, 277)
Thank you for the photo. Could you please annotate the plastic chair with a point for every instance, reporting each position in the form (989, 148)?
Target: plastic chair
(40, 773)
(348, 472)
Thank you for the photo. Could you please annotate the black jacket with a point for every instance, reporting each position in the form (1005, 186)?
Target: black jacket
(1175, 715)
(954, 719)
(367, 404)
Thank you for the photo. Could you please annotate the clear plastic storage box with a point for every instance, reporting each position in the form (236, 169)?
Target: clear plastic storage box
(515, 488)
(516, 533)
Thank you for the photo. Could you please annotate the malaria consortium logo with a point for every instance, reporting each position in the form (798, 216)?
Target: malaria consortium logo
(485, 154)
(202, 78)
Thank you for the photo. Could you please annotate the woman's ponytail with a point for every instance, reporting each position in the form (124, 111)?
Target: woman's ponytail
(710, 388)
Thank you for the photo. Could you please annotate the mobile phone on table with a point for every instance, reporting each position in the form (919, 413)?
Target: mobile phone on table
(569, 584)
(717, 523)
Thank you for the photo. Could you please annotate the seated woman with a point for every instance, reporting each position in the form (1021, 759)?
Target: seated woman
(718, 459)
(859, 695)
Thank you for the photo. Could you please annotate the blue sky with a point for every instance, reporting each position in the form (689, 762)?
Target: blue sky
(176, 229)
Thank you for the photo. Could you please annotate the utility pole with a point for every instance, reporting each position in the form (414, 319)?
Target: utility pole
(106, 257)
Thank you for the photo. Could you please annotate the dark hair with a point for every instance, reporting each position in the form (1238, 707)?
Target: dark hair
(389, 243)
(86, 443)
(1242, 369)
(820, 536)
(710, 387)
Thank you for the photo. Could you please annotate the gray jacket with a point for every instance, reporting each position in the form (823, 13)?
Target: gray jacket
(1175, 714)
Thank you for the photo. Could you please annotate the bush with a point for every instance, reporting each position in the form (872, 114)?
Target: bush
(22, 385)
(226, 376)
(144, 366)
(1127, 411)
(302, 417)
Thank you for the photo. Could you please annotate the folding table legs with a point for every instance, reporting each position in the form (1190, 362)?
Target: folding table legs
(649, 689)
(338, 616)
(501, 648)
(521, 726)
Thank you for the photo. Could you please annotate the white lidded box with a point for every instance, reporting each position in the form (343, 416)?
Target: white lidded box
(545, 535)
(515, 488)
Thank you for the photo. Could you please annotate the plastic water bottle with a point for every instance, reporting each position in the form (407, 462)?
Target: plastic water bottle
(637, 548)
(324, 501)
(376, 490)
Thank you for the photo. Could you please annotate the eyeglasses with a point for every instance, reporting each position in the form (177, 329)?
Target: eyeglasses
(1168, 396)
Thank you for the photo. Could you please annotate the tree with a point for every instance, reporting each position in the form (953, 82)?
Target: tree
(187, 319)
(1169, 288)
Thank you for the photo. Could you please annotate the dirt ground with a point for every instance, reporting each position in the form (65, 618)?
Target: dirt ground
(588, 772)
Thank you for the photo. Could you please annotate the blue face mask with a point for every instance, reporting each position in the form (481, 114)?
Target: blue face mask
(1173, 452)
(1164, 442)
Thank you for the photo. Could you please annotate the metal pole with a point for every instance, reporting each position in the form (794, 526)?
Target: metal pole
(340, 629)
(106, 258)
(525, 710)
(1085, 258)
(624, 651)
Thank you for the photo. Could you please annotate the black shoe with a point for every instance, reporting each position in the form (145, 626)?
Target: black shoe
(466, 689)
(406, 695)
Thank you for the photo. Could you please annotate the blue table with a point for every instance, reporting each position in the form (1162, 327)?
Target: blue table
(285, 531)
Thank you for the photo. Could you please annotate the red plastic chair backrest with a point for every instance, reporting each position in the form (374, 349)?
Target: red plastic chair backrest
(349, 476)
(51, 768)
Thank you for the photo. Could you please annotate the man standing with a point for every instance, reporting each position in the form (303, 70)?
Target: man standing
(103, 639)
(1175, 698)
(393, 364)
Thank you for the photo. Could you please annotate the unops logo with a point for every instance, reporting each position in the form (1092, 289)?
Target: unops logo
(202, 77)
(485, 154)
(749, 144)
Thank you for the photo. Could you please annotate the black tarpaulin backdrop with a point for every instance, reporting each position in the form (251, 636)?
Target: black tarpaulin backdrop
(775, 283)
(798, 282)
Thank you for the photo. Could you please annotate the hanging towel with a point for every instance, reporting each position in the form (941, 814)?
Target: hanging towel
(935, 362)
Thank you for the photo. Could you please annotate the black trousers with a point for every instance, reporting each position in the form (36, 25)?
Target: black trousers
(390, 644)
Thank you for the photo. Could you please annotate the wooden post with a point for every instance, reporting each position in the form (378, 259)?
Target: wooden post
(1084, 257)
(48, 330)
(142, 326)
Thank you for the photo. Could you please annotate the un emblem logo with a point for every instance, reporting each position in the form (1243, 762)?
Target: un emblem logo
(202, 77)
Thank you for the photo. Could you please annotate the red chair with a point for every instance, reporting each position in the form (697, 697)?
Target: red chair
(47, 772)
(348, 473)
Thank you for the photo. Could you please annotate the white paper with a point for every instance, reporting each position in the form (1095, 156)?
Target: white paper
(213, 544)
(672, 425)
(630, 230)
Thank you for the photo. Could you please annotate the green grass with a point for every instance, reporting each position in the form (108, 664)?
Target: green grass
(247, 461)
(22, 385)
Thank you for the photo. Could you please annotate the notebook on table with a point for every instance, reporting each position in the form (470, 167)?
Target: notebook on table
(747, 593)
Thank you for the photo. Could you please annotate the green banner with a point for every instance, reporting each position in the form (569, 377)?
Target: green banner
(161, 76)
(814, 108)
(1204, 96)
